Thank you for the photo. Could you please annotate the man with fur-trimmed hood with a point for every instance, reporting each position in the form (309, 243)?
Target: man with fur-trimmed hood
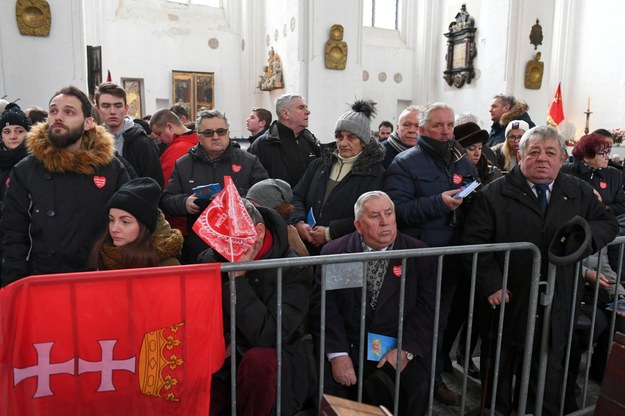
(503, 110)
(56, 202)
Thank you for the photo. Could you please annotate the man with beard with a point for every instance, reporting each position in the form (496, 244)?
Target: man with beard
(56, 202)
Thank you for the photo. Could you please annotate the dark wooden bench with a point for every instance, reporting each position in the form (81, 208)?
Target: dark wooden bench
(611, 400)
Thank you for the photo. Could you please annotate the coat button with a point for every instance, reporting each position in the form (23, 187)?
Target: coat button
(47, 176)
(50, 213)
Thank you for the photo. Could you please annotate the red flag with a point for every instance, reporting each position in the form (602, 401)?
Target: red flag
(129, 342)
(556, 111)
(108, 77)
(225, 224)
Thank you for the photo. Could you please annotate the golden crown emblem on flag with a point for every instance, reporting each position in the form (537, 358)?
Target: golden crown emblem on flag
(160, 360)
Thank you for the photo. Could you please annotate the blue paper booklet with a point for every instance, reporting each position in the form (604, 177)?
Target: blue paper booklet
(207, 191)
(310, 218)
(378, 345)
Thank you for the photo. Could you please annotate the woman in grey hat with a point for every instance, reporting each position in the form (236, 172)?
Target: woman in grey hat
(325, 196)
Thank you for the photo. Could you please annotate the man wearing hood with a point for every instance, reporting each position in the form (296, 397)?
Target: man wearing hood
(422, 182)
(131, 141)
(56, 203)
(503, 110)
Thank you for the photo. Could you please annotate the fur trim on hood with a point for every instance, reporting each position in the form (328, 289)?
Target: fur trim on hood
(96, 149)
(515, 113)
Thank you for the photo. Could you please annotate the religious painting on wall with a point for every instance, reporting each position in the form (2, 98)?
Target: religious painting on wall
(194, 90)
(182, 90)
(204, 83)
(134, 96)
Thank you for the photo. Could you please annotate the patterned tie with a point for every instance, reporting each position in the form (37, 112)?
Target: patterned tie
(541, 193)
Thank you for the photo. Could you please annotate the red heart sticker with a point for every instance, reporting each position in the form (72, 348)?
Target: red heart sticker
(603, 185)
(99, 181)
(8, 180)
(456, 179)
(397, 270)
(236, 168)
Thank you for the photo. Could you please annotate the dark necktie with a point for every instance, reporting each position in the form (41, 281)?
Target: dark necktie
(541, 194)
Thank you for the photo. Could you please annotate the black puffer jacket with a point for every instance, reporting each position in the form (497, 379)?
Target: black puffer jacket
(56, 204)
(271, 152)
(142, 154)
(337, 211)
(195, 169)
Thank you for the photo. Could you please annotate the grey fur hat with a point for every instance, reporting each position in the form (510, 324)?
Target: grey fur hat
(358, 120)
(270, 192)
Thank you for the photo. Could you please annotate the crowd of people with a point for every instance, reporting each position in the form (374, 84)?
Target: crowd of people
(87, 161)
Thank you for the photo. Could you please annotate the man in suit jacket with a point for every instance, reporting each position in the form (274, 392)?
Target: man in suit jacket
(377, 231)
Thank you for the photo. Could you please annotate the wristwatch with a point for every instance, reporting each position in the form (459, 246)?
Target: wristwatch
(409, 356)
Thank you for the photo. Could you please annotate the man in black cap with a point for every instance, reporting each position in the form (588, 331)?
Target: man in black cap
(56, 204)
(531, 203)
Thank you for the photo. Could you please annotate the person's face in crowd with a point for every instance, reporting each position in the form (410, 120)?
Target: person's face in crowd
(254, 125)
(296, 114)
(348, 144)
(474, 152)
(66, 121)
(542, 160)
(408, 129)
(377, 224)
(164, 133)
(497, 108)
(601, 159)
(13, 136)
(384, 132)
(514, 138)
(123, 227)
(439, 125)
(112, 110)
(214, 136)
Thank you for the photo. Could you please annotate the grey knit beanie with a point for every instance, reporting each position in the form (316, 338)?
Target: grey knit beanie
(358, 120)
(270, 192)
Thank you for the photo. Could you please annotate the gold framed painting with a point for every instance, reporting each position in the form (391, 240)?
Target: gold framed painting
(204, 87)
(134, 96)
(183, 89)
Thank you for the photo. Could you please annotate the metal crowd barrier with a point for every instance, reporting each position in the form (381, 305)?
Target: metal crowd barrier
(349, 271)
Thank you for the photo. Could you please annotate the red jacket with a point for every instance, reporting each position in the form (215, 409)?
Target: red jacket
(178, 148)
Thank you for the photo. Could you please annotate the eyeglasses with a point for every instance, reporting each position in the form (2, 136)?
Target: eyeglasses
(605, 153)
(208, 134)
(515, 138)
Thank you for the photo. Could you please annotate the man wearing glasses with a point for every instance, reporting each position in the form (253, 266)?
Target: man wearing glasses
(206, 163)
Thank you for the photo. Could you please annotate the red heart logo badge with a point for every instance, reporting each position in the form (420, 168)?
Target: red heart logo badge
(603, 185)
(456, 179)
(397, 270)
(236, 168)
(99, 181)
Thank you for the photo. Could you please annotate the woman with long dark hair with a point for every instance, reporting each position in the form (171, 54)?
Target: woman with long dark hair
(138, 234)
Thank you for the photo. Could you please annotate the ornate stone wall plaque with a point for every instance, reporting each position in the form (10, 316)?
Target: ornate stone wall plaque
(461, 50)
(33, 17)
(336, 49)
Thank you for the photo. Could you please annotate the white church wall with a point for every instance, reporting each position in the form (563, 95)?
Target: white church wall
(33, 68)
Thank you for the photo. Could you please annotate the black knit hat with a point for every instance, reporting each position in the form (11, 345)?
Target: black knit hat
(14, 116)
(140, 198)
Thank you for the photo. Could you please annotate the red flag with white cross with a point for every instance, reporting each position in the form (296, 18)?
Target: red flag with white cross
(128, 342)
